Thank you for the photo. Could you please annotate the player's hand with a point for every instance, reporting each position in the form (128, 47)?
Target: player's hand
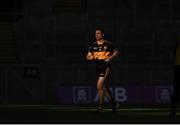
(89, 57)
(107, 60)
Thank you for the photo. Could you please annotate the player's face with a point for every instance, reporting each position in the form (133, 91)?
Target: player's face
(99, 35)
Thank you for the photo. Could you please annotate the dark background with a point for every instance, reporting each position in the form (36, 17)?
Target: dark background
(43, 44)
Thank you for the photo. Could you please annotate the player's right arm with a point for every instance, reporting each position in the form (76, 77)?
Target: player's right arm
(89, 56)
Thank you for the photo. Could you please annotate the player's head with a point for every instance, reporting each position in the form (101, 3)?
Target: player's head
(99, 33)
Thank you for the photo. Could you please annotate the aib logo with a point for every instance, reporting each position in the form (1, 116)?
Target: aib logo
(163, 94)
(81, 94)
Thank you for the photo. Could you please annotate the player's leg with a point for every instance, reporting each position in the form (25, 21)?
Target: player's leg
(107, 87)
(108, 91)
(174, 101)
(100, 86)
(176, 94)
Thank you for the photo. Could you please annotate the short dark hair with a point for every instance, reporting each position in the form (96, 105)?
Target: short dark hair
(101, 29)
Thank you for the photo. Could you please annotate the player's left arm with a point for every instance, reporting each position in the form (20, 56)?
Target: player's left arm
(115, 53)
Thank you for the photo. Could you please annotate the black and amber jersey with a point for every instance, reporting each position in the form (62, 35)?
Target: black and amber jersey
(101, 51)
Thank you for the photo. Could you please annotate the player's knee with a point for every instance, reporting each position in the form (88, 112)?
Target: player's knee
(99, 88)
